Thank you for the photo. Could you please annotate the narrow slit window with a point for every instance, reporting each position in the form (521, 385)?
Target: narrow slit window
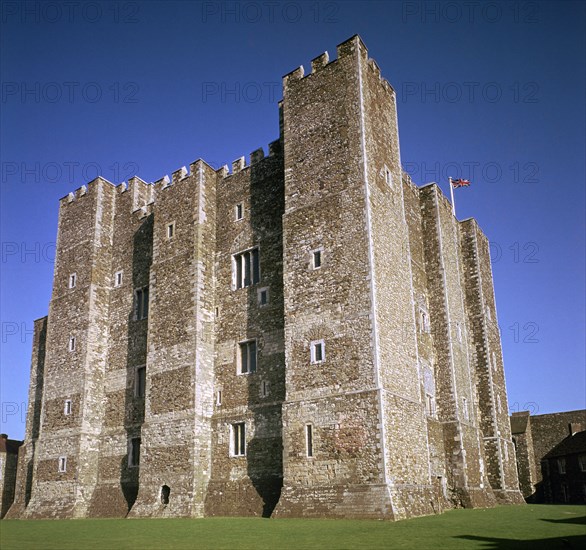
(67, 407)
(118, 278)
(316, 259)
(170, 230)
(134, 452)
(430, 404)
(264, 388)
(247, 351)
(62, 464)
(238, 439)
(219, 398)
(238, 212)
(309, 440)
(141, 303)
(140, 382)
(388, 177)
(72, 280)
(424, 326)
(71, 343)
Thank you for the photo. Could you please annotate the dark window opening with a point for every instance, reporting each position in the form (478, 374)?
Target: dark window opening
(141, 303)
(140, 382)
(134, 452)
(316, 259)
(165, 492)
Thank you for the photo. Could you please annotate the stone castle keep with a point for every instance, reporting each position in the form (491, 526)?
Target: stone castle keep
(310, 334)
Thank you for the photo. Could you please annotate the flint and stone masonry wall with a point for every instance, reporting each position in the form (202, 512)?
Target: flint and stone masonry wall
(377, 386)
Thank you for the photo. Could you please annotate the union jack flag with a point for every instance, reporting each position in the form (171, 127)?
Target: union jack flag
(460, 183)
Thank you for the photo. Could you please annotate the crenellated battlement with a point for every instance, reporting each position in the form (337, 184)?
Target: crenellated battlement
(239, 164)
(345, 49)
(82, 191)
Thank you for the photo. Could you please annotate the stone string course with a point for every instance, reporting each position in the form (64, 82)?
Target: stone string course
(403, 302)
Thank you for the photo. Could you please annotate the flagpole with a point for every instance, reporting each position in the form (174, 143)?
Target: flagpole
(452, 195)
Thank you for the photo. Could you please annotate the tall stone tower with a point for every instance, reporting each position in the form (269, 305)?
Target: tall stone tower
(382, 342)
(310, 334)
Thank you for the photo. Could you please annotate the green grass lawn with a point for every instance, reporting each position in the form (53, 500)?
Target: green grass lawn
(533, 527)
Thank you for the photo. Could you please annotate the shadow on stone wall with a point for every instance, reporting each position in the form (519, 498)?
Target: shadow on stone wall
(134, 406)
(265, 450)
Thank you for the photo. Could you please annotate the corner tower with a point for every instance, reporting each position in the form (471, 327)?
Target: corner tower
(355, 437)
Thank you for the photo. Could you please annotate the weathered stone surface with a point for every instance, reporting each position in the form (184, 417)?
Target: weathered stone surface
(356, 371)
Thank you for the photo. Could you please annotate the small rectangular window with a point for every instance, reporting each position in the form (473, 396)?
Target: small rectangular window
(263, 296)
(316, 259)
(245, 268)
(72, 280)
(247, 353)
(140, 382)
(62, 464)
(309, 440)
(238, 212)
(264, 388)
(141, 303)
(562, 465)
(134, 452)
(72, 343)
(118, 278)
(219, 398)
(318, 351)
(67, 407)
(238, 439)
(170, 230)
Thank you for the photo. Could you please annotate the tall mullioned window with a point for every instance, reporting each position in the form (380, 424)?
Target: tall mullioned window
(245, 268)
(238, 440)
(247, 357)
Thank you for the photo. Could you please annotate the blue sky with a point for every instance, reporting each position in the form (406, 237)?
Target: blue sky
(492, 92)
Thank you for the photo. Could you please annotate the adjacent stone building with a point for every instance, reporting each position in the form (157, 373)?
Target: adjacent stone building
(309, 334)
(8, 466)
(542, 439)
